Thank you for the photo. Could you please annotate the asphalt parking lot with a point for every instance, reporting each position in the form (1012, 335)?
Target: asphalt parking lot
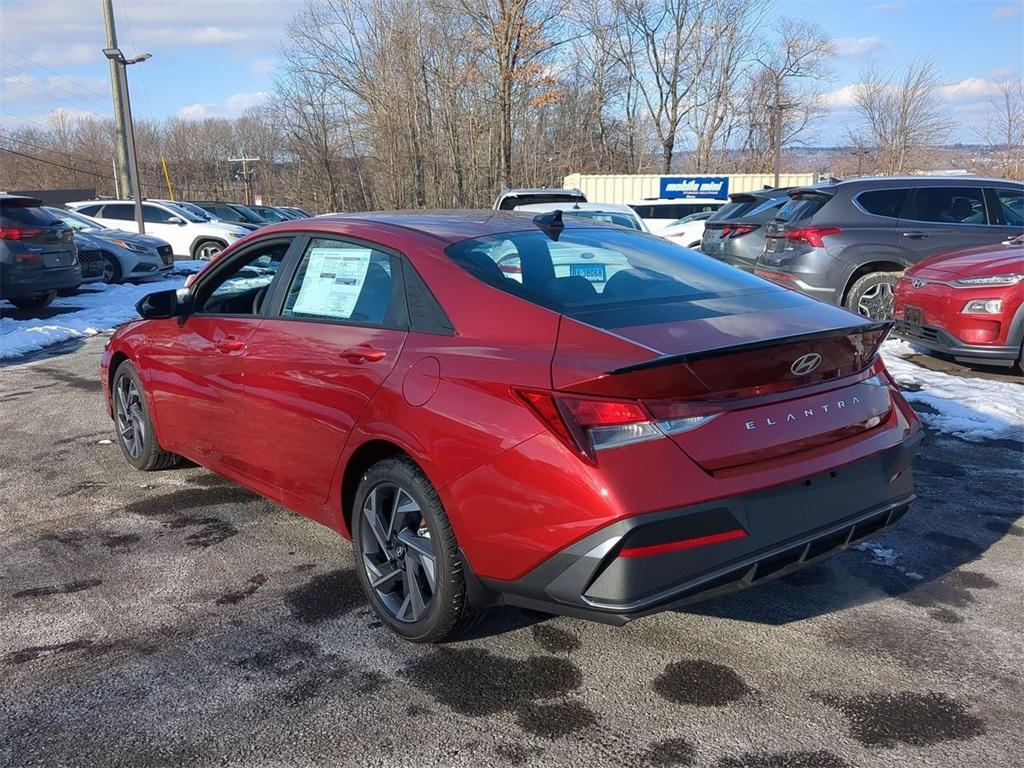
(176, 619)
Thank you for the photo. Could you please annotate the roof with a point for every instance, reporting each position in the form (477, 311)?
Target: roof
(541, 191)
(924, 181)
(4, 197)
(567, 205)
(449, 226)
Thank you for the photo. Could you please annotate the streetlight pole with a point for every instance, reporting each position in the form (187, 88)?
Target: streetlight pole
(777, 109)
(122, 180)
(118, 58)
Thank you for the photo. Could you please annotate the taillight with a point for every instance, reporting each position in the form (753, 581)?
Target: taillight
(737, 230)
(813, 236)
(19, 233)
(588, 425)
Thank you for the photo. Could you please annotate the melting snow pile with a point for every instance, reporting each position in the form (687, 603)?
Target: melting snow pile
(970, 408)
(96, 308)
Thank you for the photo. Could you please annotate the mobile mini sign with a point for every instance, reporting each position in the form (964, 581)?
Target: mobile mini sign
(715, 187)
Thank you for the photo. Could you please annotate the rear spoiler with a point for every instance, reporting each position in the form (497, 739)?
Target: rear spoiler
(882, 327)
(805, 192)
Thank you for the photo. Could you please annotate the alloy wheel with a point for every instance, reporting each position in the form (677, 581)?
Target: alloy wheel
(398, 555)
(109, 271)
(131, 424)
(876, 302)
(209, 250)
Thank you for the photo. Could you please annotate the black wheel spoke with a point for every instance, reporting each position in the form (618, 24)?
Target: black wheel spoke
(128, 413)
(371, 512)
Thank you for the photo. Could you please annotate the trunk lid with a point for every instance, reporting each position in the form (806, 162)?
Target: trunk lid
(782, 373)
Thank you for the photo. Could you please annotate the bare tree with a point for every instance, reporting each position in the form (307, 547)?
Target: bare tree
(903, 113)
(1004, 128)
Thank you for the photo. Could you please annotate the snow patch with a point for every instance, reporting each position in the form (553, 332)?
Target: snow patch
(969, 408)
(95, 309)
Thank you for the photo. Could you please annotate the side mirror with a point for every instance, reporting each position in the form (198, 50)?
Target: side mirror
(161, 306)
(176, 220)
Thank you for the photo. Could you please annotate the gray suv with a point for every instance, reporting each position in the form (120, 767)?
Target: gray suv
(38, 256)
(849, 242)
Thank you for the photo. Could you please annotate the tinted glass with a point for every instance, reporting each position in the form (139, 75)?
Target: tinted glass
(800, 208)
(884, 202)
(595, 268)
(119, 211)
(240, 288)
(606, 217)
(948, 205)
(671, 210)
(27, 215)
(269, 214)
(1011, 206)
(151, 214)
(89, 210)
(76, 221)
(764, 211)
(342, 281)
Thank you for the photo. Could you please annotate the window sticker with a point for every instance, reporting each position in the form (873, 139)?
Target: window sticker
(332, 283)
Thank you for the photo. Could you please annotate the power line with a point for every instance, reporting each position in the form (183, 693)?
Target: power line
(27, 120)
(71, 155)
(54, 72)
(50, 84)
(142, 70)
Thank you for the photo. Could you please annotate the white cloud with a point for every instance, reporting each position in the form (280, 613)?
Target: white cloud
(967, 89)
(887, 7)
(849, 47)
(841, 98)
(25, 89)
(261, 66)
(1008, 11)
(215, 36)
(80, 53)
(233, 106)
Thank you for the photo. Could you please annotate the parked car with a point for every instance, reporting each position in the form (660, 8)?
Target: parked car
(658, 214)
(967, 304)
(849, 243)
(296, 213)
(195, 210)
(270, 214)
(38, 256)
(234, 213)
(688, 230)
(120, 255)
(189, 236)
(607, 213)
(510, 199)
(735, 232)
(688, 430)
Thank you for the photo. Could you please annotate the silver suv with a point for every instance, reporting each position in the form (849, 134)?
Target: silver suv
(849, 242)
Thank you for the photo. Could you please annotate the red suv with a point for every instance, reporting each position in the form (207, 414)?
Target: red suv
(967, 304)
(612, 427)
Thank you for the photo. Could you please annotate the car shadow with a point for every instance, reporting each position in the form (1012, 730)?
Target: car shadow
(45, 313)
(962, 509)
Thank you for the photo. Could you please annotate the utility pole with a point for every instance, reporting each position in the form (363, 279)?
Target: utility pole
(117, 58)
(778, 109)
(246, 174)
(123, 187)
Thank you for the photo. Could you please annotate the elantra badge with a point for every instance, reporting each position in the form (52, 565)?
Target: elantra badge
(805, 364)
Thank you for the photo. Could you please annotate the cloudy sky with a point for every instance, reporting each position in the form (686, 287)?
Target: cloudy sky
(216, 57)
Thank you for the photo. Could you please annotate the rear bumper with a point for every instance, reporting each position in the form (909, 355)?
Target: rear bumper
(942, 341)
(654, 562)
(19, 283)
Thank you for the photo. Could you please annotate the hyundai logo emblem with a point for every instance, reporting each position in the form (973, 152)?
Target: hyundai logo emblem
(805, 364)
(917, 283)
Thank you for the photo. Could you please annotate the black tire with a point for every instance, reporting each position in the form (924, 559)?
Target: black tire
(447, 611)
(207, 250)
(871, 295)
(142, 451)
(38, 301)
(112, 272)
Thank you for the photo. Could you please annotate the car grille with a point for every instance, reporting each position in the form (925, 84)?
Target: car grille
(166, 254)
(92, 263)
(921, 332)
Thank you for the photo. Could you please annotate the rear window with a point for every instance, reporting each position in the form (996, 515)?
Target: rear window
(671, 210)
(605, 217)
(510, 202)
(19, 213)
(588, 269)
(764, 211)
(802, 207)
(884, 202)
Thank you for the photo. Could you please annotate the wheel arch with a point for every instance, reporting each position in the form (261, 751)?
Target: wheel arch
(200, 239)
(361, 459)
(867, 268)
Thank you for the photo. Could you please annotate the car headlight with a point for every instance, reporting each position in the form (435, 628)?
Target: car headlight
(236, 235)
(974, 282)
(130, 246)
(983, 307)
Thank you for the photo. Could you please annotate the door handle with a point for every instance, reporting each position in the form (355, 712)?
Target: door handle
(230, 345)
(363, 353)
(916, 235)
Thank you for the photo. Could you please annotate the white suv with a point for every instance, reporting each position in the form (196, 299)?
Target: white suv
(189, 236)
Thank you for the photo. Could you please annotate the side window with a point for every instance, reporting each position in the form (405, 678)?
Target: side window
(152, 214)
(119, 211)
(89, 210)
(240, 286)
(343, 281)
(1010, 206)
(948, 205)
(884, 202)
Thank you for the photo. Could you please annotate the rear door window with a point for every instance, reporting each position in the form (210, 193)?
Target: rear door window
(948, 205)
(89, 210)
(119, 211)
(346, 282)
(152, 214)
(884, 202)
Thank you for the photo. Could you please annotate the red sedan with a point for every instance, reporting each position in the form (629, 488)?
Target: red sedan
(967, 304)
(562, 415)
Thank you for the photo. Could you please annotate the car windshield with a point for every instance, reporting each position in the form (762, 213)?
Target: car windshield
(197, 212)
(248, 214)
(184, 212)
(76, 221)
(597, 268)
